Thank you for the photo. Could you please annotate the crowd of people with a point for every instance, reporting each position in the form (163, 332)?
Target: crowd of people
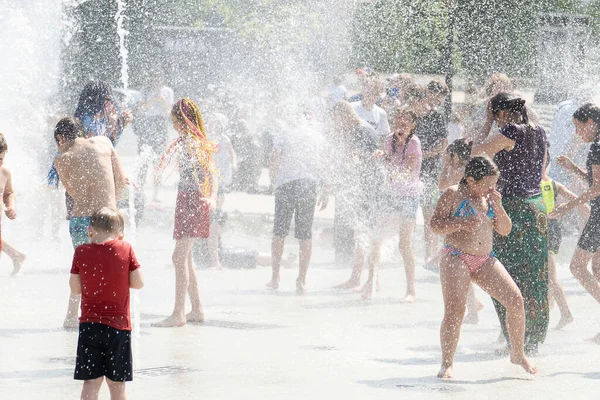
(485, 178)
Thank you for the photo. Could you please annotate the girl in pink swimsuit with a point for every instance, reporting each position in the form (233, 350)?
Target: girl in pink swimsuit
(468, 214)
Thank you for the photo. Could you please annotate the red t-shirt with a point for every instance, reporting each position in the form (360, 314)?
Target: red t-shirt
(104, 271)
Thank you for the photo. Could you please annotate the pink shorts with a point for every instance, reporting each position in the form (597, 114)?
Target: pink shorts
(192, 216)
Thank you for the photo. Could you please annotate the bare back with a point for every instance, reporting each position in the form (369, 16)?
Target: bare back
(87, 171)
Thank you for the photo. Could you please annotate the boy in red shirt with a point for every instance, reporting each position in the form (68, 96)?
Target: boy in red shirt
(103, 271)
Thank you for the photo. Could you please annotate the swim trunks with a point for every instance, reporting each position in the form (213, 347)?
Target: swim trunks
(78, 230)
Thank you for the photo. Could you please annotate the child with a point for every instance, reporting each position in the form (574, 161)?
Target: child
(8, 198)
(551, 190)
(403, 159)
(103, 271)
(468, 214)
(457, 156)
(196, 199)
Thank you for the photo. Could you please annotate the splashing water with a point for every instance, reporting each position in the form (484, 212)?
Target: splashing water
(132, 236)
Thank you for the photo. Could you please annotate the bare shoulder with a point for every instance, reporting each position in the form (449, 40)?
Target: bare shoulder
(4, 170)
(450, 196)
(100, 141)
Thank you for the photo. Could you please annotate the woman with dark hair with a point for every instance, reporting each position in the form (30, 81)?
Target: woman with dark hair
(519, 152)
(99, 112)
(587, 124)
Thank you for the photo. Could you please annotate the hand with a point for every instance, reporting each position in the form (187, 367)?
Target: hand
(127, 117)
(565, 162)
(379, 154)
(471, 224)
(126, 180)
(559, 211)
(323, 201)
(11, 213)
(211, 203)
(495, 198)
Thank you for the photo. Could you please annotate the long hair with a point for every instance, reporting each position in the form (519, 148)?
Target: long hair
(413, 118)
(461, 149)
(193, 141)
(92, 102)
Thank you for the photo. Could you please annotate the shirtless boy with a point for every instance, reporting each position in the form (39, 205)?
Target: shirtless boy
(8, 199)
(91, 173)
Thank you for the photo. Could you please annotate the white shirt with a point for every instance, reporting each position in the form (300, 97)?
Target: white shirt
(300, 149)
(376, 117)
(155, 110)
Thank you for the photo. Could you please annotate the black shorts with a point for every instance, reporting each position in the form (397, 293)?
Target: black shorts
(590, 237)
(103, 351)
(295, 199)
(554, 235)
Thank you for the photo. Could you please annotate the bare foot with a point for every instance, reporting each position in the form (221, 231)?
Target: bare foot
(501, 339)
(409, 298)
(195, 317)
(564, 321)
(367, 290)
(171, 321)
(71, 323)
(595, 339)
(273, 284)
(352, 283)
(216, 267)
(445, 372)
(525, 363)
(300, 287)
(471, 318)
(17, 262)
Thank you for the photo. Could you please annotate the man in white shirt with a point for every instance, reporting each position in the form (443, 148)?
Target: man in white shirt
(370, 112)
(295, 172)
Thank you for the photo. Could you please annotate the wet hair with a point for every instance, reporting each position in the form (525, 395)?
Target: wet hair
(413, 118)
(437, 88)
(343, 108)
(93, 98)
(461, 149)
(107, 220)
(69, 129)
(586, 112)
(193, 141)
(478, 168)
(3, 144)
(512, 104)
(415, 92)
(496, 80)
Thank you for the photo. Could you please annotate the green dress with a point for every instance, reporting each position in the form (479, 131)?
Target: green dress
(524, 254)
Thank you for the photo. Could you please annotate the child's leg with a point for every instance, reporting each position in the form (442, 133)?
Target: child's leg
(496, 281)
(304, 255)
(596, 265)
(71, 320)
(118, 390)
(15, 255)
(579, 269)
(276, 253)
(197, 314)
(407, 227)
(359, 262)
(473, 307)
(374, 257)
(91, 388)
(183, 249)
(455, 278)
(556, 291)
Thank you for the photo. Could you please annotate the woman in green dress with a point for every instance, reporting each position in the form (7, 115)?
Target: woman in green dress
(519, 150)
